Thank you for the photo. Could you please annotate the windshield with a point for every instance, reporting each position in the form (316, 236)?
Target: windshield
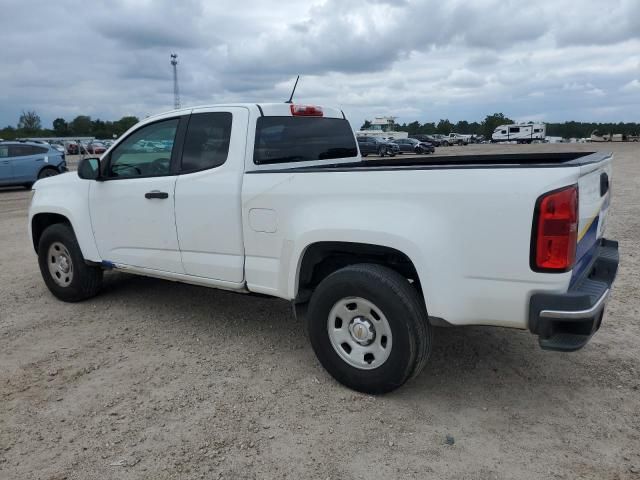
(301, 139)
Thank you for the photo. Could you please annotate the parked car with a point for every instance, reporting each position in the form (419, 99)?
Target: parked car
(411, 145)
(377, 146)
(58, 146)
(372, 255)
(73, 148)
(22, 163)
(96, 148)
(435, 139)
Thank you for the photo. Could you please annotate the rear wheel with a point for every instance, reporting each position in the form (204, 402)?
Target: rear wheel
(368, 326)
(460, 143)
(445, 144)
(63, 267)
(47, 172)
(382, 151)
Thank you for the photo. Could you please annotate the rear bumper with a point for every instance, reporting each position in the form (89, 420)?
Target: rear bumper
(565, 322)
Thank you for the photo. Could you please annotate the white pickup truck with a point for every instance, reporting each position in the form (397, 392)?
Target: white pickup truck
(275, 199)
(456, 139)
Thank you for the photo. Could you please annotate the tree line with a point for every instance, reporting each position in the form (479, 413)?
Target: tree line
(30, 125)
(488, 125)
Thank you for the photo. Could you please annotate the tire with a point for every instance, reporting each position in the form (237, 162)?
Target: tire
(78, 281)
(391, 153)
(47, 172)
(381, 151)
(402, 319)
(445, 144)
(460, 143)
(364, 154)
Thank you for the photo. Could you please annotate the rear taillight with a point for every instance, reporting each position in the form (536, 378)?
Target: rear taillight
(306, 111)
(555, 231)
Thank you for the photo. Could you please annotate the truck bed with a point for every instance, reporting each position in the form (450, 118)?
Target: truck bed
(426, 162)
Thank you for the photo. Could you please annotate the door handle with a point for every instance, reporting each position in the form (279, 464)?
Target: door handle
(156, 194)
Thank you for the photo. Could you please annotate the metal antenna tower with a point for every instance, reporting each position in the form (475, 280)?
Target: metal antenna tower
(176, 92)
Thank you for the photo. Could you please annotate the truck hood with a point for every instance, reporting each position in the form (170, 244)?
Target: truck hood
(68, 178)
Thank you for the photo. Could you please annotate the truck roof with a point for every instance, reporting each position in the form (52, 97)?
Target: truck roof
(264, 109)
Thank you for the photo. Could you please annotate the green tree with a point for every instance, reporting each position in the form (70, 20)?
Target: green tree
(366, 125)
(29, 122)
(462, 127)
(81, 125)
(8, 133)
(60, 127)
(124, 124)
(444, 127)
(490, 123)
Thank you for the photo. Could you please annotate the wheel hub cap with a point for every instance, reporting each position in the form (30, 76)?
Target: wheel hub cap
(60, 264)
(63, 264)
(362, 330)
(359, 333)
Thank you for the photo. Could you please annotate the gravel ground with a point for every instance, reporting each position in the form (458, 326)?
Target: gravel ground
(158, 380)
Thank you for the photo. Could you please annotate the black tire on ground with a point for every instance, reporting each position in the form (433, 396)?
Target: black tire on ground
(460, 143)
(47, 172)
(86, 280)
(391, 153)
(404, 310)
(445, 144)
(382, 151)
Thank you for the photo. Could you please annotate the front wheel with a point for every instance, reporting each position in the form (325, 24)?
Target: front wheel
(369, 328)
(47, 172)
(63, 267)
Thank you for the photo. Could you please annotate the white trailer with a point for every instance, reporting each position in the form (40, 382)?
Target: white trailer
(520, 133)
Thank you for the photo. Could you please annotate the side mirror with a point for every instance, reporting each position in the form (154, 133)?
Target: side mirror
(89, 168)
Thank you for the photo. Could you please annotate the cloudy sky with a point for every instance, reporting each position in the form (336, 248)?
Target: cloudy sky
(551, 60)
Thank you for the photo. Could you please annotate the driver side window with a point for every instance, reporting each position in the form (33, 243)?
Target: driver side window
(146, 152)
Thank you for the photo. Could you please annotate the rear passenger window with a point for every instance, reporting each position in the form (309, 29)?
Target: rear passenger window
(207, 142)
(19, 150)
(4, 151)
(33, 150)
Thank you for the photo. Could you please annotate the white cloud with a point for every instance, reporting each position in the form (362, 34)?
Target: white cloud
(632, 86)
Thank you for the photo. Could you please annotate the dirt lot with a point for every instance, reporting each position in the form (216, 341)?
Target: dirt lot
(158, 380)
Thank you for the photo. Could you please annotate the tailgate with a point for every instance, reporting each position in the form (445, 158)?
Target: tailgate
(594, 194)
